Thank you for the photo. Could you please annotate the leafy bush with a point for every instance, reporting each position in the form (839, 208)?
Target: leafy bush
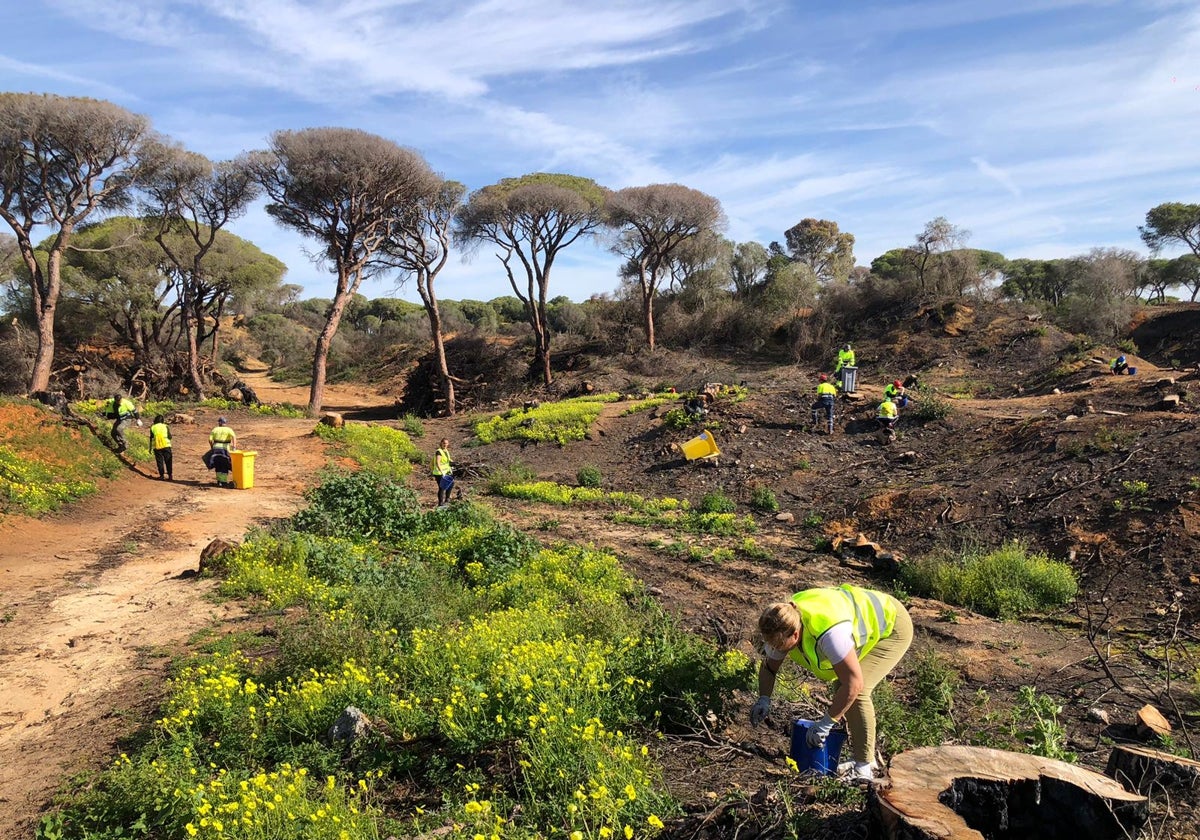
(359, 506)
(1035, 721)
(678, 418)
(927, 406)
(412, 425)
(1006, 583)
(588, 476)
(763, 500)
(717, 502)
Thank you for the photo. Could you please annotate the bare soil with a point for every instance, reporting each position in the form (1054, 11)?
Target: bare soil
(96, 598)
(93, 597)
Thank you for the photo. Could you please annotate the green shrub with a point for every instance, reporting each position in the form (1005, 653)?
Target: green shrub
(1005, 583)
(763, 500)
(717, 502)
(358, 506)
(588, 476)
(924, 715)
(678, 418)
(412, 425)
(927, 406)
(1035, 722)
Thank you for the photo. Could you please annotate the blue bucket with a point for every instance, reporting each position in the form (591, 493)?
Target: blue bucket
(824, 760)
(1132, 371)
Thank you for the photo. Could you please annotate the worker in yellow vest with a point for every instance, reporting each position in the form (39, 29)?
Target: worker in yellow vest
(160, 445)
(845, 358)
(121, 410)
(846, 635)
(443, 471)
(222, 441)
(886, 417)
(826, 397)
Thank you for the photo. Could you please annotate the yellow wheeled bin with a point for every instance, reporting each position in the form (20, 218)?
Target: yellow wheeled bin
(704, 446)
(243, 469)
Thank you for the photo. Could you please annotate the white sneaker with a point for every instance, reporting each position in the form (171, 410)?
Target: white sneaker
(866, 770)
(857, 771)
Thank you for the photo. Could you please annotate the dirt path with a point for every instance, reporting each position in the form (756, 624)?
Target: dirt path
(92, 597)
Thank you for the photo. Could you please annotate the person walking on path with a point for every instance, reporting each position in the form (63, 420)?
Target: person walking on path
(121, 410)
(443, 471)
(848, 636)
(160, 445)
(222, 441)
(826, 397)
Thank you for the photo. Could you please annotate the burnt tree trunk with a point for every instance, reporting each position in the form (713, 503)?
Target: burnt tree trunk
(1142, 769)
(969, 793)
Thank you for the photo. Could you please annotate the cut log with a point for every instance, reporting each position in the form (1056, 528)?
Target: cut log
(1143, 769)
(972, 793)
(1150, 721)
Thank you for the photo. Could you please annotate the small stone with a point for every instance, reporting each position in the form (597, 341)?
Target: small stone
(785, 517)
(1098, 715)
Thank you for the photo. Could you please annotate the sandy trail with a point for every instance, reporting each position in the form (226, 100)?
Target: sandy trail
(92, 597)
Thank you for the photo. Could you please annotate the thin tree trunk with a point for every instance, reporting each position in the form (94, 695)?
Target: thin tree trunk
(429, 298)
(188, 313)
(316, 394)
(647, 306)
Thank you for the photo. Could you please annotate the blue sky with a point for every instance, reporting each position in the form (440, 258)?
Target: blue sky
(1044, 127)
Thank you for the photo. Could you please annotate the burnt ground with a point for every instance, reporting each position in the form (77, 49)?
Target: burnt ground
(1039, 444)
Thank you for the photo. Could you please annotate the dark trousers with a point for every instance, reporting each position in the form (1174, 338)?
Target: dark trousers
(162, 458)
(824, 403)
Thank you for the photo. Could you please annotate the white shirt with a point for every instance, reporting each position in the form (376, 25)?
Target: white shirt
(835, 645)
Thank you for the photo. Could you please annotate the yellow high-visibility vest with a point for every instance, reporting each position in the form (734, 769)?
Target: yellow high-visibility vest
(161, 436)
(872, 616)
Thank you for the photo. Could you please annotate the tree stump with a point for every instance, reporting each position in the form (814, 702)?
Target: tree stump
(332, 418)
(1141, 769)
(972, 793)
(1150, 722)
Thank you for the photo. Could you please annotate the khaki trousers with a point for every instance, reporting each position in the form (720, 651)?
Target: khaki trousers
(883, 658)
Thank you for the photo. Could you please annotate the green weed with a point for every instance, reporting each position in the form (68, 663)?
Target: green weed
(588, 476)
(558, 422)
(1008, 582)
(412, 425)
(380, 449)
(762, 499)
(1035, 720)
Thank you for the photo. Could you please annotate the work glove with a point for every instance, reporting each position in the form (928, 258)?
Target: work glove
(760, 710)
(819, 731)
